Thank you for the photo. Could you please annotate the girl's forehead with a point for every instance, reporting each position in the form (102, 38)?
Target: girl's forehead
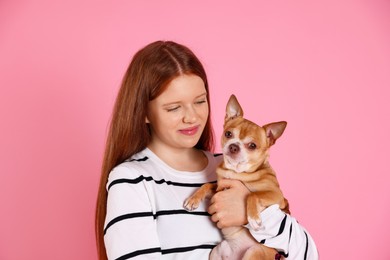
(182, 88)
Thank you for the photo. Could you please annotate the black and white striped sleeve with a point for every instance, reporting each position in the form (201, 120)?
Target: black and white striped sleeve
(130, 228)
(282, 232)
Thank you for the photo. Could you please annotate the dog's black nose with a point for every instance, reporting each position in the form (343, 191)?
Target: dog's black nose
(233, 148)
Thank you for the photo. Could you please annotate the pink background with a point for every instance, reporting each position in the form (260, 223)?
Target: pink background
(323, 66)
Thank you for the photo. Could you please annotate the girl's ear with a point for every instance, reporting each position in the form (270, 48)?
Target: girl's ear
(147, 120)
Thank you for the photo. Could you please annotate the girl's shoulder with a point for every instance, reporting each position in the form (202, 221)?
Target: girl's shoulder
(133, 167)
(145, 165)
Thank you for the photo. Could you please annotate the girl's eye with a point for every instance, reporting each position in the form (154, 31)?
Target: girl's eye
(252, 146)
(200, 102)
(173, 109)
(228, 134)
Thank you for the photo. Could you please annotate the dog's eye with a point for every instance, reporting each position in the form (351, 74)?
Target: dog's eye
(252, 146)
(228, 134)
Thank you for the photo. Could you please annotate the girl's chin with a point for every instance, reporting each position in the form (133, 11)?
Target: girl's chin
(189, 142)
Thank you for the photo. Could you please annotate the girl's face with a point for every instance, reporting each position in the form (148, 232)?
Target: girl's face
(178, 116)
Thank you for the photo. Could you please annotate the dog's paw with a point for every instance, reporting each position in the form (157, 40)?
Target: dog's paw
(191, 204)
(254, 208)
(255, 223)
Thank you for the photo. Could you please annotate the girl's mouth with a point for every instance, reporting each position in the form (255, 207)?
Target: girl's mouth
(189, 131)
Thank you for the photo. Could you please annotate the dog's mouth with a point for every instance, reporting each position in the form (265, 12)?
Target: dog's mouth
(234, 165)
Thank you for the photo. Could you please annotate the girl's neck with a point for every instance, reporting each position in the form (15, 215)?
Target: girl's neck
(181, 159)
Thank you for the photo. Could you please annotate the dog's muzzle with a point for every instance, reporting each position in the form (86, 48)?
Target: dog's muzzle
(233, 148)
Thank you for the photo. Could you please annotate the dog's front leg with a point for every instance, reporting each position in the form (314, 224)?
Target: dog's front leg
(257, 202)
(205, 191)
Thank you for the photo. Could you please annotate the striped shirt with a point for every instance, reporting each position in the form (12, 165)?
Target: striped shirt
(145, 215)
(283, 232)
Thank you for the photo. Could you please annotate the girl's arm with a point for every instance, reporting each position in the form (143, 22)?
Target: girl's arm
(130, 228)
(228, 207)
(278, 230)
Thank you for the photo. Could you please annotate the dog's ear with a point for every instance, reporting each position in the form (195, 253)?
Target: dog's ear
(233, 109)
(274, 131)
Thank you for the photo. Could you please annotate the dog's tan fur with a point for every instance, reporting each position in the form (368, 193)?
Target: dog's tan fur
(254, 171)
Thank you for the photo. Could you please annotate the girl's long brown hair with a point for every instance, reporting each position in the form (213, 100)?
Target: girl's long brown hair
(150, 71)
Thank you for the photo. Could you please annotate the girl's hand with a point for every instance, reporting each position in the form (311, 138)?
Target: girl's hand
(228, 205)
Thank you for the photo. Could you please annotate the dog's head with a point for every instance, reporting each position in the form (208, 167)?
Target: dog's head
(245, 145)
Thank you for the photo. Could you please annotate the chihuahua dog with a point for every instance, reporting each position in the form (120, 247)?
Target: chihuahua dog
(246, 150)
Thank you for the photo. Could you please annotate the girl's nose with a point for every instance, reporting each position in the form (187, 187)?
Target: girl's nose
(189, 116)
